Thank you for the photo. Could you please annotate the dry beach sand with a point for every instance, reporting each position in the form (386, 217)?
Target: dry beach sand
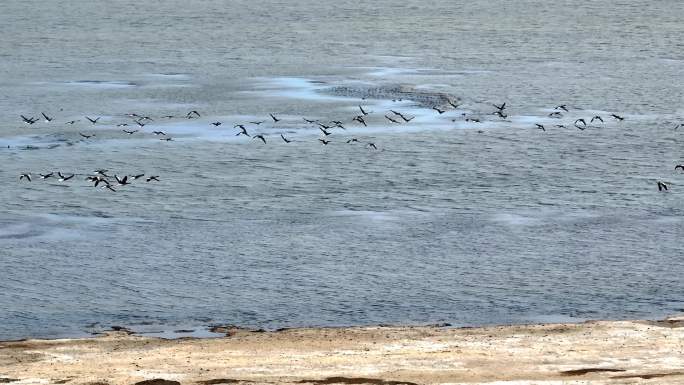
(601, 352)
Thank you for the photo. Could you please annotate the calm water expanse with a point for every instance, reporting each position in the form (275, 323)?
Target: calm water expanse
(447, 221)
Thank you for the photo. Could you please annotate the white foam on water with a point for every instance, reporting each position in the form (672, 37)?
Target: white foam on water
(294, 88)
(511, 219)
(100, 84)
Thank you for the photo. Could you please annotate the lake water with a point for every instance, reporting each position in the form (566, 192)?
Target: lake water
(448, 220)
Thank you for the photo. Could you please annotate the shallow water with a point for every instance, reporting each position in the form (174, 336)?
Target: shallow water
(448, 221)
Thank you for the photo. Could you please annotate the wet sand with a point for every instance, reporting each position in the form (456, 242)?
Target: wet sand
(603, 352)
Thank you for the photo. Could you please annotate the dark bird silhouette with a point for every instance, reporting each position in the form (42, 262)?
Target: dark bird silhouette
(25, 175)
(323, 126)
(45, 176)
(47, 118)
(352, 140)
(596, 118)
(243, 130)
(169, 139)
(159, 132)
(138, 176)
(679, 166)
(662, 186)
(361, 120)
(275, 120)
(584, 124)
(153, 178)
(63, 178)
(325, 142)
(93, 121)
(560, 126)
(192, 114)
(452, 104)
(130, 132)
(71, 121)
(617, 117)
(140, 124)
(30, 120)
(404, 118)
(473, 120)
(109, 187)
(392, 120)
(563, 107)
(326, 133)
(500, 114)
(364, 112)
(259, 122)
(309, 120)
(285, 139)
(97, 180)
(260, 137)
(122, 181)
(540, 126)
(501, 107)
(372, 145)
(438, 110)
(216, 124)
(86, 136)
(122, 125)
(556, 114)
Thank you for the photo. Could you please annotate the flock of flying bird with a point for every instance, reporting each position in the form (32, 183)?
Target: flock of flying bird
(100, 176)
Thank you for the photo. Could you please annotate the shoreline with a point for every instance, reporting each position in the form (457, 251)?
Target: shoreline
(596, 352)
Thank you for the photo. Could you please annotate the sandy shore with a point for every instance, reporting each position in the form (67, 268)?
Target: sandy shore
(625, 352)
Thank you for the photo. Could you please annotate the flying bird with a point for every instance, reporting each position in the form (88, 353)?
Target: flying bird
(285, 139)
(617, 117)
(192, 114)
(153, 178)
(63, 178)
(364, 112)
(47, 118)
(30, 120)
(275, 120)
(25, 175)
(260, 137)
(243, 130)
(501, 107)
(325, 142)
(93, 121)
(596, 118)
(662, 186)
(122, 181)
(392, 120)
(216, 124)
(438, 110)
(86, 136)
